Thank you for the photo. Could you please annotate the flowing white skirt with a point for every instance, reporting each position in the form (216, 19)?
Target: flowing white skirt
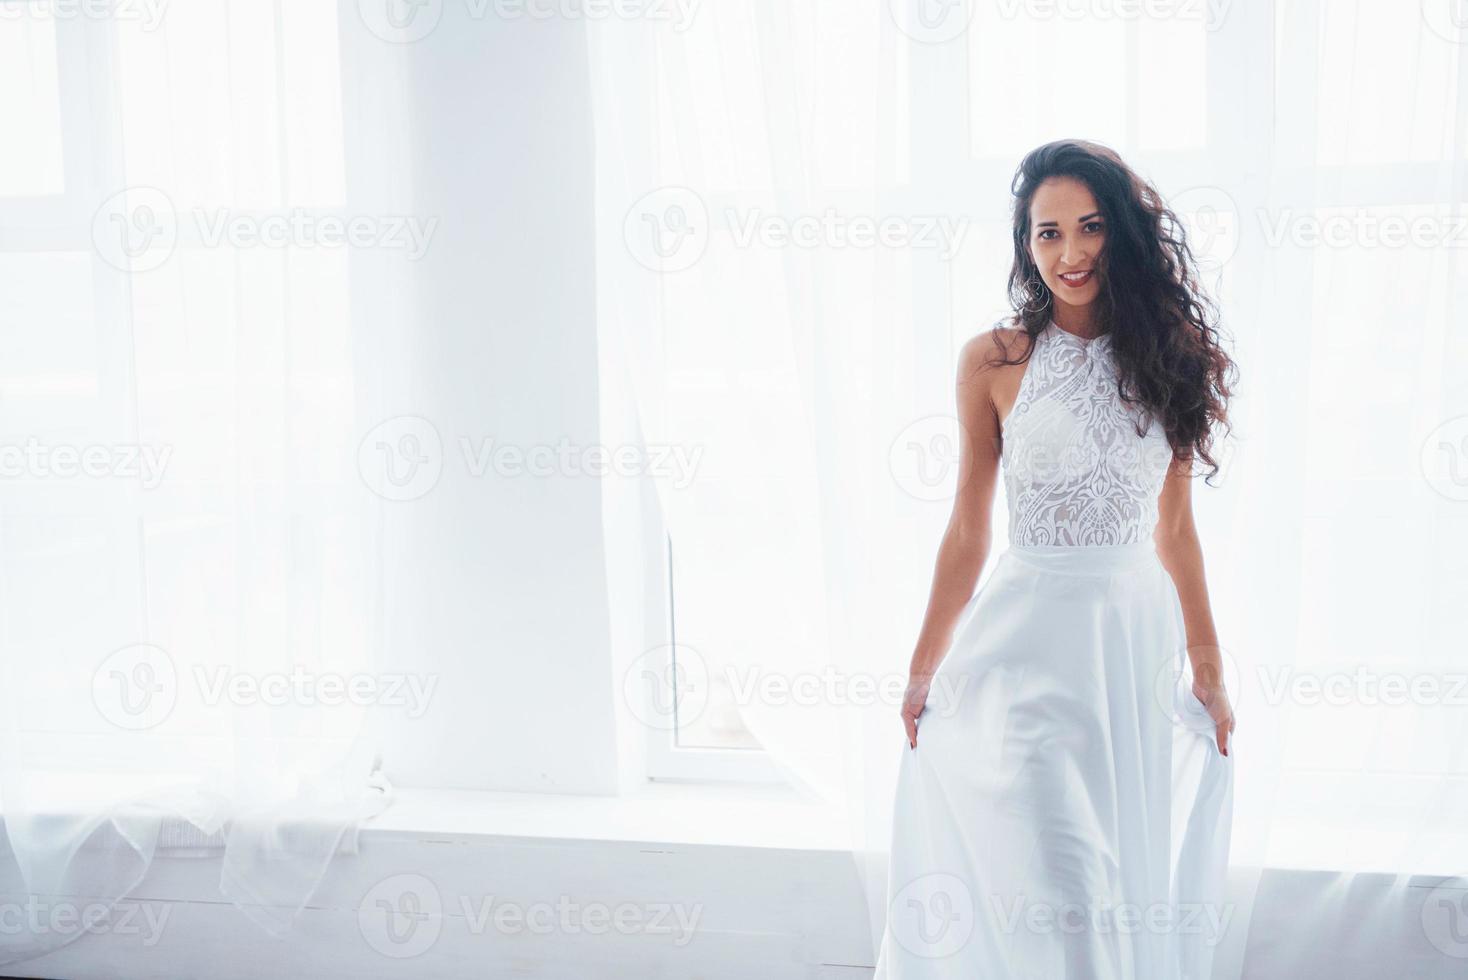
(1066, 812)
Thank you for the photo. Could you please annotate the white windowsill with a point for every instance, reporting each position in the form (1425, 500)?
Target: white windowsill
(663, 813)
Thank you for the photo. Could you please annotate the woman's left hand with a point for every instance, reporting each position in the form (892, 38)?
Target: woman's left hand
(1215, 699)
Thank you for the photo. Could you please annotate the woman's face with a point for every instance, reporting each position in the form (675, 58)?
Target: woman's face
(1066, 235)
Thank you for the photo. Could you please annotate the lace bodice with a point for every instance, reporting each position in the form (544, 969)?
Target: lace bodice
(1075, 471)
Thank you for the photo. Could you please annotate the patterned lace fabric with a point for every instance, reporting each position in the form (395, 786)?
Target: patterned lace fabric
(1075, 471)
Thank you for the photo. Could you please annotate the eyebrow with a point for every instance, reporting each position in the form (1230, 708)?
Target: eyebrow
(1081, 220)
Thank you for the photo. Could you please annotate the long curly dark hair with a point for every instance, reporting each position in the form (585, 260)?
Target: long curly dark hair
(1163, 326)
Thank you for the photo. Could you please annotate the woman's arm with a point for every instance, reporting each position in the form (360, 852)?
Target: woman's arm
(965, 544)
(1177, 543)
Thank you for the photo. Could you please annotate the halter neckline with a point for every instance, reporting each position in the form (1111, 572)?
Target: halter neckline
(1085, 342)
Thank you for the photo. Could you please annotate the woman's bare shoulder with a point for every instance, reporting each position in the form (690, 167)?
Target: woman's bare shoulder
(987, 351)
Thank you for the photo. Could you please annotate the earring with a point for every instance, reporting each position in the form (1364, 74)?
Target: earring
(1030, 286)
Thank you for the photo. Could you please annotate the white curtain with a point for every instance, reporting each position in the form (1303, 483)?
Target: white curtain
(189, 288)
(803, 214)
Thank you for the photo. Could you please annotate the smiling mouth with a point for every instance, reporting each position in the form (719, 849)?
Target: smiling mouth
(1077, 278)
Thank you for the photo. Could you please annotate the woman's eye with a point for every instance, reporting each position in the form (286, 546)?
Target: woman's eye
(1098, 226)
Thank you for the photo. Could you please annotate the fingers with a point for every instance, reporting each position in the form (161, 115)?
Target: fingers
(911, 724)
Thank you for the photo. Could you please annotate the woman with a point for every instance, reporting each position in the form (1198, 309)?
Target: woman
(1064, 796)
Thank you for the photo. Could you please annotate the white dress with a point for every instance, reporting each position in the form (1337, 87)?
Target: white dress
(1066, 812)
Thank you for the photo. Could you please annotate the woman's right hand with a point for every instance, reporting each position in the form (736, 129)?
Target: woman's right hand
(913, 702)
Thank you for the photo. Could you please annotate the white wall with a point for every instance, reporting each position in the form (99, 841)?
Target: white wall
(497, 584)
